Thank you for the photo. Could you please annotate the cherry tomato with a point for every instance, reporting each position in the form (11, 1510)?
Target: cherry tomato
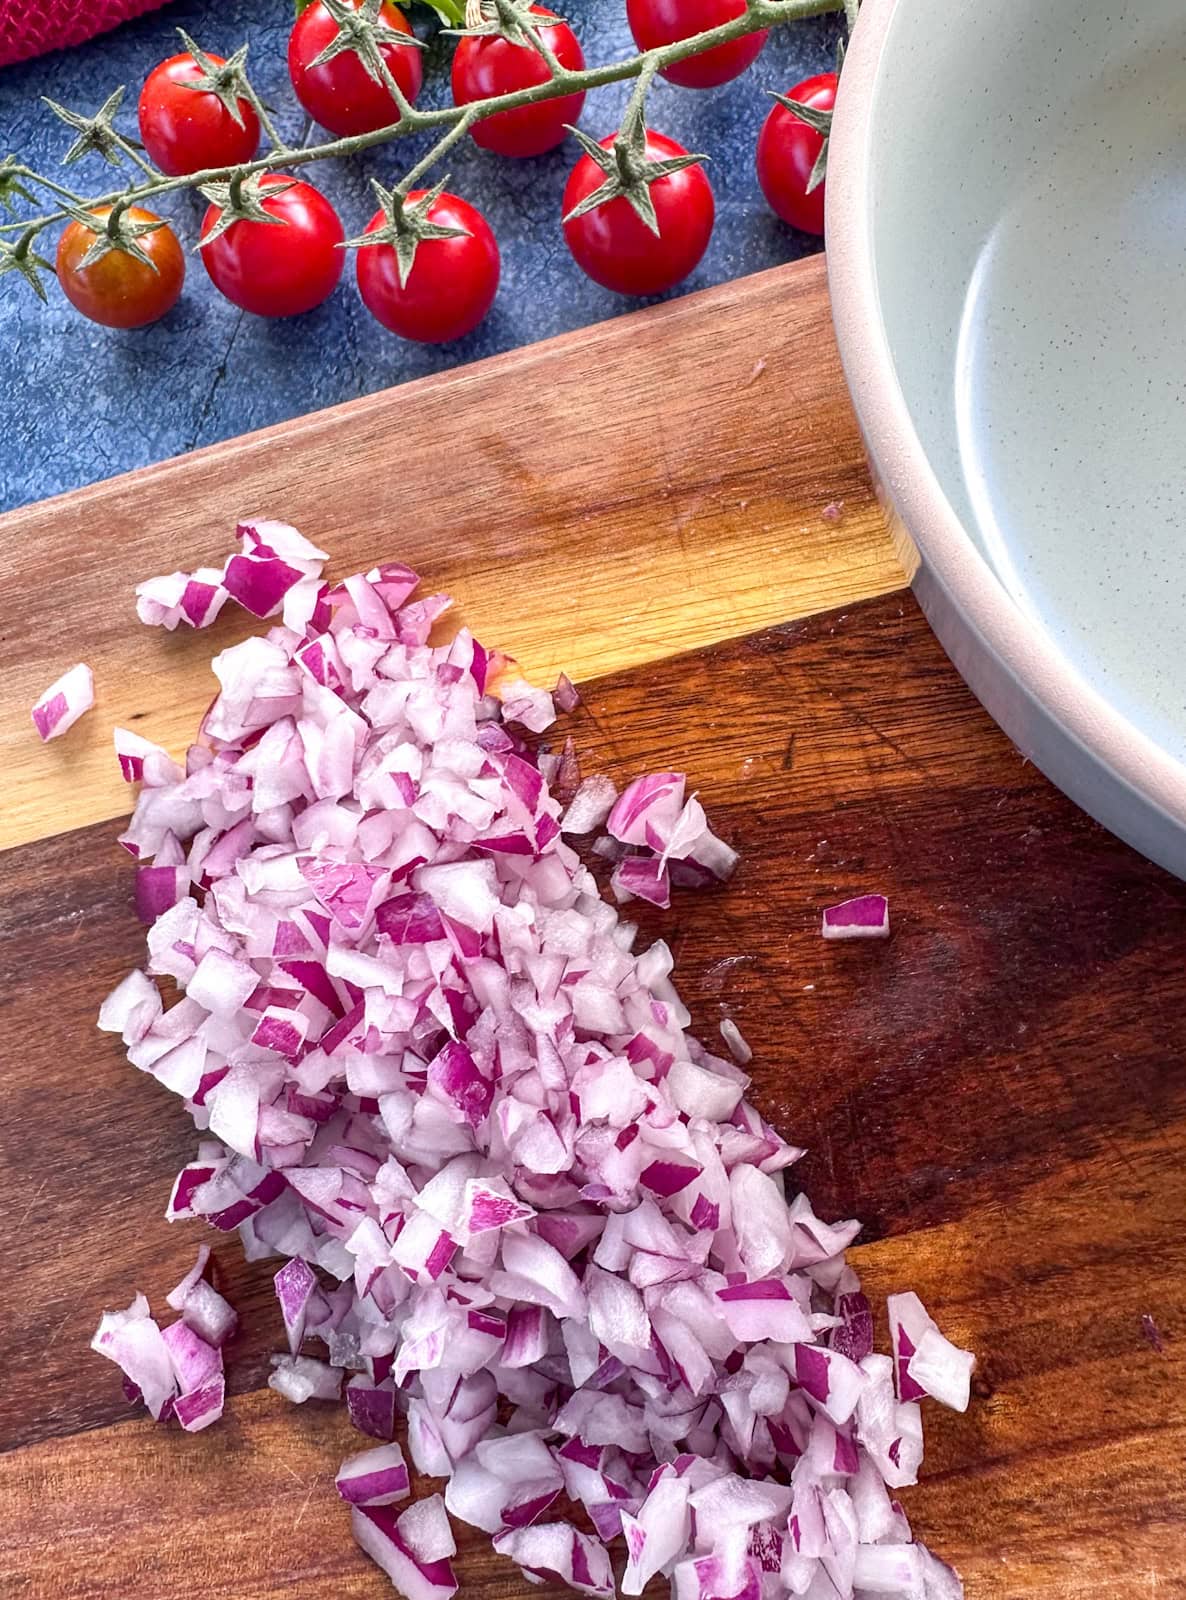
(658, 22)
(452, 283)
(341, 94)
(613, 244)
(184, 129)
(787, 151)
(278, 271)
(117, 290)
(487, 65)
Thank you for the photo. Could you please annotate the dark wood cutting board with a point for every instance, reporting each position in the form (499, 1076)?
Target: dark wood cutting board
(998, 1091)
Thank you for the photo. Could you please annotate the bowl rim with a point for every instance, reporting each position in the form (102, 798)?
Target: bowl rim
(905, 474)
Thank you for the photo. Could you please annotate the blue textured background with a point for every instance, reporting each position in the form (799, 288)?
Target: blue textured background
(79, 403)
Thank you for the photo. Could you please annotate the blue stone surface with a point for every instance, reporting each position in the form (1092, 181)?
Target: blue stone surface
(79, 403)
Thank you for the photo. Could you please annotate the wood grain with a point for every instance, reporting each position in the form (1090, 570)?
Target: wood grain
(998, 1091)
(601, 500)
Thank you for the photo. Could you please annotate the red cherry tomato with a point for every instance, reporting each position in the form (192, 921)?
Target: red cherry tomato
(614, 246)
(341, 94)
(117, 290)
(452, 283)
(278, 271)
(185, 130)
(658, 22)
(787, 151)
(488, 65)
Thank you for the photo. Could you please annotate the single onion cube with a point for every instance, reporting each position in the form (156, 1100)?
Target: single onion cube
(202, 1406)
(374, 1477)
(865, 917)
(385, 1539)
(60, 707)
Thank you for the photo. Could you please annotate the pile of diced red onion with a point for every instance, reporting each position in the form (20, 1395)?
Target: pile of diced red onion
(524, 1217)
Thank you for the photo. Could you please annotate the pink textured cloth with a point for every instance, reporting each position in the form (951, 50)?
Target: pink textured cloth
(29, 27)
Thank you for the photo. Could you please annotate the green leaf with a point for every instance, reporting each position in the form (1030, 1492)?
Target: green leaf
(451, 12)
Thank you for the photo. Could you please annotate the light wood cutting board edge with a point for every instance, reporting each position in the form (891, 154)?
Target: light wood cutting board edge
(601, 500)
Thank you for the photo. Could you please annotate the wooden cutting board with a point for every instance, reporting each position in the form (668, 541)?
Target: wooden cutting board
(998, 1091)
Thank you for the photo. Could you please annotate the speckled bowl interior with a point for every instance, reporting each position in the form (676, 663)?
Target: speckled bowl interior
(1028, 171)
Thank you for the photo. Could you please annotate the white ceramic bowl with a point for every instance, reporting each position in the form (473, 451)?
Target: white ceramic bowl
(1006, 222)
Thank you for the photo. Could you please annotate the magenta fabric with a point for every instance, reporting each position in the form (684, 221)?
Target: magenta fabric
(30, 27)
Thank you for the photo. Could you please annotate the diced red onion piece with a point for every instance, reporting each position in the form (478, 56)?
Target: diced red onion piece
(378, 1531)
(195, 1362)
(66, 699)
(141, 761)
(854, 1337)
(267, 539)
(889, 1569)
(135, 1343)
(221, 984)
(642, 878)
(738, 1049)
(131, 1008)
(301, 1378)
(295, 1284)
(865, 917)
(940, 1582)
(734, 1575)
(651, 802)
(192, 598)
(658, 1534)
(371, 1406)
(908, 1320)
(202, 1406)
(590, 805)
(259, 585)
(557, 1550)
(924, 1361)
(521, 703)
(209, 1314)
(476, 1496)
(425, 1529)
(177, 1296)
(374, 1477)
(942, 1370)
(754, 1312)
(673, 841)
(565, 693)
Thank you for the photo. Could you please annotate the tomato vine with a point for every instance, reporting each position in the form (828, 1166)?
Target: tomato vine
(116, 217)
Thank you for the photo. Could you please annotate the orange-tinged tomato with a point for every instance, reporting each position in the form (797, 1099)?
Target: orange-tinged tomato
(119, 291)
